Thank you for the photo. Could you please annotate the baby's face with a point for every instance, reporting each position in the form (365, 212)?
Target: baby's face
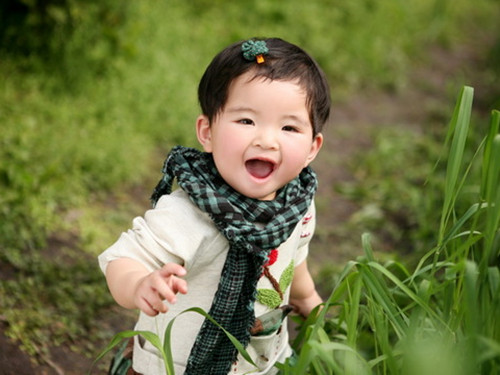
(263, 138)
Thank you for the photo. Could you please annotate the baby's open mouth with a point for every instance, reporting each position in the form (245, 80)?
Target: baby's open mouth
(259, 168)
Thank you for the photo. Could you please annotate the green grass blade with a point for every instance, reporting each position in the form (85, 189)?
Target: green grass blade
(326, 351)
(119, 337)
(233, 339)
(471, 297)
(459, 127)
(492, 133)
(306, 328)
(494, 281)
(315, 353)
(493, 200)
(367, 247)
(471, 310)
(490, 349)
(418, 314)
(167, 348)
(384, 340)
(416, 298)
(352, 314)
(304, 359)
(314, 322)
(460, 222)
(376, 286)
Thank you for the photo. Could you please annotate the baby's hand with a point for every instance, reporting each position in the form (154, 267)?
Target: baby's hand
(159, 286)
(304, 306)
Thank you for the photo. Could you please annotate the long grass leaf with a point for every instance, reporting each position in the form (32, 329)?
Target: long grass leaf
(367, 247)
(382, 295)
(421, 268)
(233, 339)
(459, 126)
(167, 348)
(487, 159)
(304, 359)
(418, 313)
(493, 286)
(421, 302)
(352, 313)
(494, 281)
(493, 199)
(383, 357)
(475, 208)
(376, 286)
(119, 337)
(317, 321)
(326, 351)
(399, 266)
(470, 307)
(490, 349)
(423, 271)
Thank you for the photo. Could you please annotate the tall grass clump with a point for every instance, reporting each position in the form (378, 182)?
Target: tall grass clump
(440, 317)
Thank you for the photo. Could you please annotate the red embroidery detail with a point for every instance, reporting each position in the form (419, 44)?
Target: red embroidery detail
(307, 219)
(305, 234)
(272, 257)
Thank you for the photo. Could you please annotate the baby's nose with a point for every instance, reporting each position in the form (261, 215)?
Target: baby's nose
(266, 139)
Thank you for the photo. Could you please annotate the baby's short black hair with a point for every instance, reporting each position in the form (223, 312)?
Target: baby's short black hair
(284, 62)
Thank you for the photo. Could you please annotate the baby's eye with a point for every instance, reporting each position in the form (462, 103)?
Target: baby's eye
(245, 121)
(289, 128)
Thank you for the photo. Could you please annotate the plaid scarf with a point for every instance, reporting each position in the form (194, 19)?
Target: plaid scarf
(235, 216)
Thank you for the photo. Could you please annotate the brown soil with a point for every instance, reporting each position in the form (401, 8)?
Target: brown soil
(432, 85)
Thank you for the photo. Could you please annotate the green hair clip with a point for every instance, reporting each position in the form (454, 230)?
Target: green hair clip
(254, 50)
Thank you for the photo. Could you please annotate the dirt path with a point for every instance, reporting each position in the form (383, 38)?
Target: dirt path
(353, 121)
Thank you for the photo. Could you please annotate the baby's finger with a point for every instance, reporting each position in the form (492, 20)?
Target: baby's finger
(179, 285)
(146, 307)
(172, 269)
(159, 289)
(167, 293)
(149, 298)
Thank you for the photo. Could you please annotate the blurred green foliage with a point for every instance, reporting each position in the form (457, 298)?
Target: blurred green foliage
(91, 90)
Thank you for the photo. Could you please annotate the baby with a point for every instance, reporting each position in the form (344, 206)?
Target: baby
(233, 238)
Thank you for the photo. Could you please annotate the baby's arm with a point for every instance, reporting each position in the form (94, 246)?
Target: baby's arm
(134, 287)
(303, 294)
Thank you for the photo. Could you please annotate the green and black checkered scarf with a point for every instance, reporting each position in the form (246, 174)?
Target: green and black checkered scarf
(235, 216)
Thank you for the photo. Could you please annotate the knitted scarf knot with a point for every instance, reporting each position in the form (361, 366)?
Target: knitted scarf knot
(252, 228)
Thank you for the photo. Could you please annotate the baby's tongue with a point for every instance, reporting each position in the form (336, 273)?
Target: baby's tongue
(259, 168)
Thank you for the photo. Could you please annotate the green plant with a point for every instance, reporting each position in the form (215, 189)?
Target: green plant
(440, 318)
(165, 348)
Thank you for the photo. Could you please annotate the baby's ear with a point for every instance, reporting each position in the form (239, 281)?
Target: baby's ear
(204, 132)
(315, 147)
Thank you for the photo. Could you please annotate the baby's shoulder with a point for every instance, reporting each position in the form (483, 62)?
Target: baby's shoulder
(177, 198)
(179, 206)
